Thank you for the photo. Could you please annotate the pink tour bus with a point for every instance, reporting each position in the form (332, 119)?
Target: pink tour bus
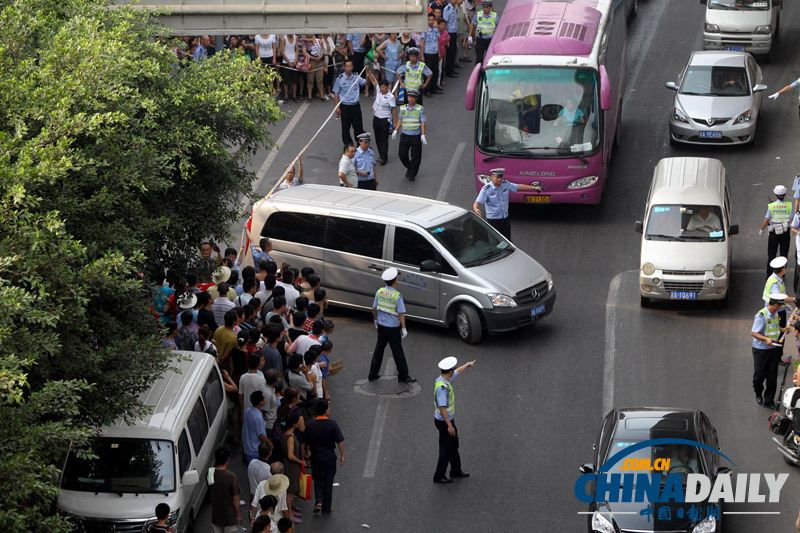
(548, 97)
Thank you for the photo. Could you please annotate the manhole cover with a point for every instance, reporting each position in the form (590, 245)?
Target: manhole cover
(387, 386)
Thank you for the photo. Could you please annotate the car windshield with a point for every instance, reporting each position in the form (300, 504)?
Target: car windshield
(690, 223)
(122, 466)
(715, 81)
(471, 240)
(683, 460)
(739, 5)
(539, 112)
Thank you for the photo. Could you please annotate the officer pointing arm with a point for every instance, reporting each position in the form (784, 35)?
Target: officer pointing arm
(494, 203)
(443, 408)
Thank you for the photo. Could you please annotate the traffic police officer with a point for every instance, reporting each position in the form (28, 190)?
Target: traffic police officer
(776, 285)
(347, 88)
(779, 216)
(484, 23)
(389, 314)
(364, 162)
(766, 331)
(494, 196)
(444, 420)
(412, 73)
(412, 119)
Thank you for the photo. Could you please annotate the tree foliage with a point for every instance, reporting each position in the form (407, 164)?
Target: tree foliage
(115, 160)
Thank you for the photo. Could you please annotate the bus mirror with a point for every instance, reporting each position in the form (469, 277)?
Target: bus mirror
(734, 229)
(605, 89)
(472, 87)
(703, 1)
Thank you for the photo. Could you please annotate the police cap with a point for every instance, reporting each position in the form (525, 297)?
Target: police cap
(778, 262)
(499, 172)
(389, 274)
(366, 137)
(448, 363)
(485, 3)
(412, 92)
(780, 190)
(777, 298)
(413, 51)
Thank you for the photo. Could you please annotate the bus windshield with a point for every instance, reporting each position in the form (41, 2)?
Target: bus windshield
(541, 112)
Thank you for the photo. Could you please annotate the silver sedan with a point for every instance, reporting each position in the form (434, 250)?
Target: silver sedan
(718, 99)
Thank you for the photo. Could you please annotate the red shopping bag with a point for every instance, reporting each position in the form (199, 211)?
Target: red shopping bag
(305, 484)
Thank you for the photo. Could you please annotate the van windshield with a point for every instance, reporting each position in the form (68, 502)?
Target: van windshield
(132, 466)
(691, 223)
(739, 5)
(471, 240)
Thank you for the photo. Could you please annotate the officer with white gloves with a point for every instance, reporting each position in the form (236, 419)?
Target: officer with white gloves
(778, 218)
(794, 85)
(411, 117)
(389, 314)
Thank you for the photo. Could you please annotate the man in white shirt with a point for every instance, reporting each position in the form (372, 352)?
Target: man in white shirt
(222, 304)
(251, 381)
(705, 220)
(302, 343)
(287, 282)
(347, 169)
(258, 471)
(293, 178)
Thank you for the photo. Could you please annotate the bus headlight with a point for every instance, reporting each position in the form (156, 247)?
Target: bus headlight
(582, 183)
(486, 178)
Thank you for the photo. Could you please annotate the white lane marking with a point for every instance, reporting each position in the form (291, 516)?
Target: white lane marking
(451, 170)
(653, 22)
(375, 440)
(611, 341)
(282, 139)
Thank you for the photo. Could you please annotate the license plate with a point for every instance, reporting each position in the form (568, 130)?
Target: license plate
(683, 295)
(537, 310)
(537, 199)
(711, 134)
(734, 48)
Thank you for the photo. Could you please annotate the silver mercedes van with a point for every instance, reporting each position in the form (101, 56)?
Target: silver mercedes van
(454, 267)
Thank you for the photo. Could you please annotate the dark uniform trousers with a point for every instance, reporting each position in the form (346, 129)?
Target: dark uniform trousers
(382, 129)
(358, 61)
(392, 337)
(481, 45)
(775, 241)
(323, 470)
(450, 55)
(448, 450)
(410, 144)
(351, 118)
(432, 61)
(765, 374)
(367, 184)
(503, 225)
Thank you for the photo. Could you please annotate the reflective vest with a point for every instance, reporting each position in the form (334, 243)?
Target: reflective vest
(413, 79)
(387, 300)
(773, 327)
(451, 400)
(409, 118)
(780, 212)
(770, 280)
(486, 25)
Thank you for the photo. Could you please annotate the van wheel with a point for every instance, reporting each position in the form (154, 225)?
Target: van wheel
(468, 324)
(645, 302)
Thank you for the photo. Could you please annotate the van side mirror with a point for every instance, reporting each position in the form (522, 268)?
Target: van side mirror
(190, 477)
(777, 3)
(703, 2)
(587, 468)
(760, 87)
(733, 229)
(638, 227)
(671, 85)
(429, 265)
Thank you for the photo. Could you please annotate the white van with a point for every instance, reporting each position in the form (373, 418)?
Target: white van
(454, 267)
(686, 247)
(742, 25)
(160, 458)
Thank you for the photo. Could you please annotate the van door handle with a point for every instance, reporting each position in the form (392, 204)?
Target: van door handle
(375, 267)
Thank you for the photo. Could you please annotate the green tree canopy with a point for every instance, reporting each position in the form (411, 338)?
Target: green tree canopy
(115, 160)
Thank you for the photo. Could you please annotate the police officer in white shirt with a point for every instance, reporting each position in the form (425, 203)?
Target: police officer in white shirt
(384, 110)
(778, 217)
(494, 197)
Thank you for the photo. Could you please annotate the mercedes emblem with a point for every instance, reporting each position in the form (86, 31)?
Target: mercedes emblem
(535, 294)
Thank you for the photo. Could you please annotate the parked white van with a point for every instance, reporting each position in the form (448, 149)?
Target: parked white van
(454, 267)
(686, 247)
(160, 458)
(742, 25)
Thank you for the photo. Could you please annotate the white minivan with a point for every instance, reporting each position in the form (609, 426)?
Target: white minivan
(686, 247)
(742, 25)
(160, 458)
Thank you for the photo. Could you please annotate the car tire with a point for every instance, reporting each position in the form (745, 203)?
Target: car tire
(645, 302)
(787, 461)
(468, 324)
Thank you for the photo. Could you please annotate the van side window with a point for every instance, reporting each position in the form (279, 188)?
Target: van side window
(184, 453)
(300, 228)
(355, 237)
(212, 395)
(198, 425)
(412, 248)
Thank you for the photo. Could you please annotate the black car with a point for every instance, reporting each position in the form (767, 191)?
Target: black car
(624, 428)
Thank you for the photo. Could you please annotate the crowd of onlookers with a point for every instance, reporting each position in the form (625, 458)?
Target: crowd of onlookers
(307, 65)
(267, 329)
